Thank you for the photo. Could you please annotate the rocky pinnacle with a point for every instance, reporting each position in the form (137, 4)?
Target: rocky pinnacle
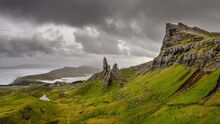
(105, 64)
(109, 75)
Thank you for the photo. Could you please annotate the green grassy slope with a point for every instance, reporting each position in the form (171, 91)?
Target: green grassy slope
(148, 98)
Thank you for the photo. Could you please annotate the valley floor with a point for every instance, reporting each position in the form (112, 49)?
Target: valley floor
(177, 94)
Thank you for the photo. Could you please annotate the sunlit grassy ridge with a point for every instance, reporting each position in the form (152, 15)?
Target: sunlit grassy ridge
(148, 98)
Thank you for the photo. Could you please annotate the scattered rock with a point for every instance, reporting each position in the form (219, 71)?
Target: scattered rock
(42, 110)
(81, 112)
(29, 108)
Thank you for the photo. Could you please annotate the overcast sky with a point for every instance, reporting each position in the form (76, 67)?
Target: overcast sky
(81, 32)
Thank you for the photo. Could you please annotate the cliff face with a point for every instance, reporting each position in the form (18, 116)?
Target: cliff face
(190, 46)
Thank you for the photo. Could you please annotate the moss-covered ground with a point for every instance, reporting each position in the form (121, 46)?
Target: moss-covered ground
(145, 99)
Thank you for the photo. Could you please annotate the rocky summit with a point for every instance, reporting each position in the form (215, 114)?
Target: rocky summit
(190, 46)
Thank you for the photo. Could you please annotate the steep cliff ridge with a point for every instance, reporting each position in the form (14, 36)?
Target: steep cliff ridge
(190, 46)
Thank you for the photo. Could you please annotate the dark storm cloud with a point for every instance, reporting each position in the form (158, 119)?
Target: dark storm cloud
(139, 23)
(102, 44)
(107, 43)
(85, 12)
(34, 46)
(73, 12)
(25, 47)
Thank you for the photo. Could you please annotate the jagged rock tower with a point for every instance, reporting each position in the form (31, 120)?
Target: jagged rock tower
(106, 67)
(109, 75)
(106, 73)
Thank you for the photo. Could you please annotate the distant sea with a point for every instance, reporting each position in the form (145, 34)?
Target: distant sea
(9, 75)
(68, 79)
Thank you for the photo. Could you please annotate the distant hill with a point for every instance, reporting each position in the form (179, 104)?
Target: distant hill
(56, 74)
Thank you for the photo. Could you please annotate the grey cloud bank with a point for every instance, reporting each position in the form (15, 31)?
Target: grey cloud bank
(102, 27)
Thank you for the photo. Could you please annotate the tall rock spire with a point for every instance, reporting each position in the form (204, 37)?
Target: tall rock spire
(105, 64)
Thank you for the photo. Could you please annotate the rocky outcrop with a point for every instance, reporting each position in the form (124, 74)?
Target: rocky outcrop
(115, 72)
(107, 78)
(109, 75)
(106, 67)
(106, 73)
(187, 45)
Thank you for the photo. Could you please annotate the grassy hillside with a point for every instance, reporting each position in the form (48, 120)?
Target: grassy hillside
(56, 74)
(158, 96)
(64, 72)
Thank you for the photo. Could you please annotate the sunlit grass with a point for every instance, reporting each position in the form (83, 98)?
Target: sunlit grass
(143, 99)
